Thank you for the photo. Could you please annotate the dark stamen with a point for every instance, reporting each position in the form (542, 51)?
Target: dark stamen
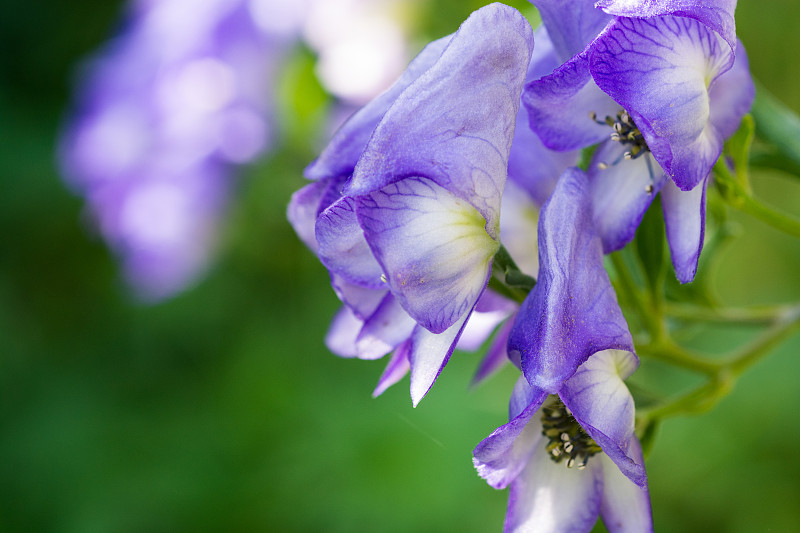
(568, 442)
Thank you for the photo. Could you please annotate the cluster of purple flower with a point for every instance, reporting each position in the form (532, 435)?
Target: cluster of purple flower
(404, 210)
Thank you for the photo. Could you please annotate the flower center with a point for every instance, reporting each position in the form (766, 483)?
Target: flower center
(625, 132)
(567, 439)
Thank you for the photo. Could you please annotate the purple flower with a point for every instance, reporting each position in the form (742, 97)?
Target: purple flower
(677, 90)
(175, 101)
(572, 456)
(410, 238)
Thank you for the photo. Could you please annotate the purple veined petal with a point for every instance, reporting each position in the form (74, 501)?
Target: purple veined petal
(731, 95)
(560, 106)
(685, 221)
(519, 220)
(363, 301)
(388, 326)
(548, 498)
(429, 353)
(621, 192)
(572, 24)
(396, 369)
(490, 311)
(496, 356)
(603, 406)
(626, 506)
(342, 247)
(432, 246)
(339, 158)
(342, 333)
(302, 211)
(500, 457)
(716, 14)
(660, 70)
(455, 124)
(572, 311)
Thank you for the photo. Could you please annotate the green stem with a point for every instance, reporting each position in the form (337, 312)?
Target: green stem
(635, 296)
(737, 315)
(784, 327)
(669, 352)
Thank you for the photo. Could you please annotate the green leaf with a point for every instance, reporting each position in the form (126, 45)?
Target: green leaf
(777, 124)
(738, 149)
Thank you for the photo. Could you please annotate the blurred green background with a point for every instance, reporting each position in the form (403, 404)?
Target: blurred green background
(221, 410)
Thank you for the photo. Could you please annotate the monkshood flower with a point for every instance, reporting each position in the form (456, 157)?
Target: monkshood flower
(410, 238)
(663, 93)
(572, 456)
(177, 99)
(571, 407)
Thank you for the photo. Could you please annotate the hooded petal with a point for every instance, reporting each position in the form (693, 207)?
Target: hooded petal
(454, 125)
(572, 311)
(501, 456)
(716, 14)
(560, 107)
(621, 192)
(571, 23)
(685, 221)
(432, 246)
(396, 368)
(660, 70)
(603, 406)
(339, 158)
(626, 506)
(342, 247)
(549, 498)
(429, 354)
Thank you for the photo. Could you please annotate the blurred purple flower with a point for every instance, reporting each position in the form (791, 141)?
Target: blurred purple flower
(163, 114)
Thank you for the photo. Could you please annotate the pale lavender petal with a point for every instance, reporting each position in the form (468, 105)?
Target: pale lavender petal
(685, 221)
(603, 406)
(496, 356)
(363, 301)
(340, 156)
(429, 354)
(572, 311)
(559, 106)
(454, 125)
(716, 14)
(490, 311)
(731, 95)
(660, 70)
(549, 498)
(626, 506)
(342, 333)
(342, 247)
(388, 326)
(621, 192)
(432, 247)
(572, 24)
(396, 369)
(501, 456)
(518, 222)
(302, 211)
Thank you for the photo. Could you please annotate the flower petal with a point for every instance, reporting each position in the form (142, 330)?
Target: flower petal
(603, 406)
(501, 456)
(660, 70)
(572, 311)
(362, 301)
(429, 354)
(559, 107)
(549, 498)
(716, 14)
(496, 356)
(339, 158)
(685, 221)
(432, 246)
(621, 192)
(342, 247)
(571, 24)
(731, 95)
(342, 333)
(518, 225)
(396, 368)
(454, 125)
(388, 326)
(303, 209)
(626, 506)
